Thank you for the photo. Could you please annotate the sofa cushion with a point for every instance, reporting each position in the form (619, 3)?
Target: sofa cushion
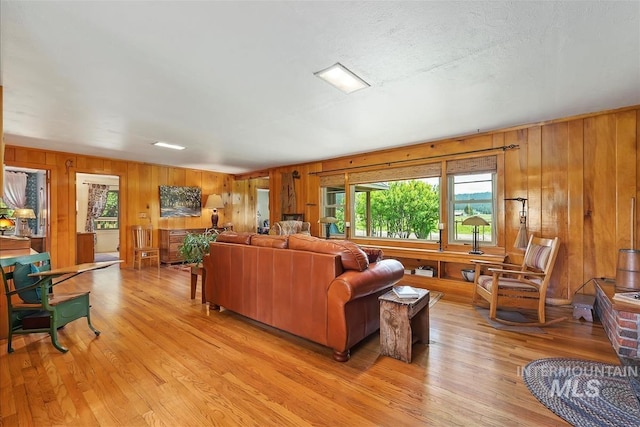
(233, 237)
(373, 254)
(352, 257)
(280, 242)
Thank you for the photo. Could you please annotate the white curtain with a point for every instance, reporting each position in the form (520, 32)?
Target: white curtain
(15, 189)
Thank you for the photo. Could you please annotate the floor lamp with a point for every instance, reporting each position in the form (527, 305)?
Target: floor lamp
(521, 239)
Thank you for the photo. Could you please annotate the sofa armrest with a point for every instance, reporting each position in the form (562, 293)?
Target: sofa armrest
(353, 310)
(355, 284)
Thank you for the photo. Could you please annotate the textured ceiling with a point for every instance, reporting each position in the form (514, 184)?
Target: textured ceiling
(234, 83)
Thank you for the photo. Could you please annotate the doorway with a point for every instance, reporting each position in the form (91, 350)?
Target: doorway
(262, 211)
(97, 217)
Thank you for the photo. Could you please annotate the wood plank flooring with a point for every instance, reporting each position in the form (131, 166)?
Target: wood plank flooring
(164, 360)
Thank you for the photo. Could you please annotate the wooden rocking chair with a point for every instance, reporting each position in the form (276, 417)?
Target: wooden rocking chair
(518, 286)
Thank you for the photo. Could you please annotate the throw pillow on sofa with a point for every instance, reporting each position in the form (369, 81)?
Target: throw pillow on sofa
(233, 237)
(273, 241)
(351, 255)
(373, 254)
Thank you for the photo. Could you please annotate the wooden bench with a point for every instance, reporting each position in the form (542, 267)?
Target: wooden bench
(31, 304)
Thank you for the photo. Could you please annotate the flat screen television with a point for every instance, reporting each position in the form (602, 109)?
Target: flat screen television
(180, 201)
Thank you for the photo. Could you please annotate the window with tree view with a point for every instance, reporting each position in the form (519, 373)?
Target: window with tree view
(109, 218)
(403, 209)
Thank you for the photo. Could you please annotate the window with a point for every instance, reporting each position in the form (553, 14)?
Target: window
(108, 220)
(408, 202)
(402, 209)
(471, 194)
(333, 205)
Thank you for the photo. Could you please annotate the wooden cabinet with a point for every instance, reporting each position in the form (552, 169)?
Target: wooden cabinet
(446, 267)
(85, 247)
(38, 244)
(170, 240)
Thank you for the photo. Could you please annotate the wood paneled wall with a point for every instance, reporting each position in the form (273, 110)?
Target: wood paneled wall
(579, 175)
(139, 193)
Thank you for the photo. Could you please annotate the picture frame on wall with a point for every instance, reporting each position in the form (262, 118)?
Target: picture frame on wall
(176, 201)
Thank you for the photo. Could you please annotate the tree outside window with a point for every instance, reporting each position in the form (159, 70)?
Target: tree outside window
(108, 220)
(406, 209)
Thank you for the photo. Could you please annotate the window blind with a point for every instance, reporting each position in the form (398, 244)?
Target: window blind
(429, 170)
(472, 165)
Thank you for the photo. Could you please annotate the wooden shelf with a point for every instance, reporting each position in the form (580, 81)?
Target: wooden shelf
(448, 265)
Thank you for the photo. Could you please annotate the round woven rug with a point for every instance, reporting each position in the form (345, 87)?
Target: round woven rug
(586, 393)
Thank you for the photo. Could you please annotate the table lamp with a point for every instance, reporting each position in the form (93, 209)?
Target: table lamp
(475, 221)
(6, 223)
(214, 202)
(327, 221)
(23, 215)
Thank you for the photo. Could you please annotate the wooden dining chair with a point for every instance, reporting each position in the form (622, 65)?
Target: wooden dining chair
(143, 248)
(518, 286)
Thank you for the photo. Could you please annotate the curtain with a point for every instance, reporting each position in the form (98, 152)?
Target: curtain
(15, 190)
(95, 205)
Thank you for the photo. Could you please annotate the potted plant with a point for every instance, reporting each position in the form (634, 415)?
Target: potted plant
(195, 246)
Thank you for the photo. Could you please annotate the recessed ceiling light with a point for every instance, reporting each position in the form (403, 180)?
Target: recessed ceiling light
(167, 145)
(339, 76)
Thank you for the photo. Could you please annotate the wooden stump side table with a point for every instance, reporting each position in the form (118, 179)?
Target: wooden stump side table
(403, 322)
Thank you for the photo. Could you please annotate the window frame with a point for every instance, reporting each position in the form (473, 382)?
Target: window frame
(452, 201)
(109, 219)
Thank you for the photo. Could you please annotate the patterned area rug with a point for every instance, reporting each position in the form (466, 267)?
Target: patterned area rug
(585, 393)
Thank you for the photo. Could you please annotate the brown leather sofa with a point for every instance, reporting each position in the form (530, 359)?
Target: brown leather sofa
(323, 290)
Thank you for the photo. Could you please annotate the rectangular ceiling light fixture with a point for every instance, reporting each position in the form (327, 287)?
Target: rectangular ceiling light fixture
(167, 145)
(339, 76)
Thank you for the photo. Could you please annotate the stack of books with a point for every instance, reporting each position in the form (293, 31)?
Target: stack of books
(406, 292)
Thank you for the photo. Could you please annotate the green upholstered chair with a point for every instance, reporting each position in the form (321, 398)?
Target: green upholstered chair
(32, 307)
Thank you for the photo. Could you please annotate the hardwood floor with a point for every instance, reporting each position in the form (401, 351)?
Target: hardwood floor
(162, 359)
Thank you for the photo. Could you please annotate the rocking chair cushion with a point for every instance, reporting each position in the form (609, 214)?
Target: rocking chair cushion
(537, 256)
(505, 282)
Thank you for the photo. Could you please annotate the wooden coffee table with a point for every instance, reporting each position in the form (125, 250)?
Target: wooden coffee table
(403, 322)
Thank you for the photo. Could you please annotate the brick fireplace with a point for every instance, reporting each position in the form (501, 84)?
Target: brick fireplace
(621, 321)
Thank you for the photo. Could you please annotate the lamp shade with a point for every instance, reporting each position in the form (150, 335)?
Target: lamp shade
(475, 220)
(24, 213)
(6, 223)
(328, 220)
(214, 201)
